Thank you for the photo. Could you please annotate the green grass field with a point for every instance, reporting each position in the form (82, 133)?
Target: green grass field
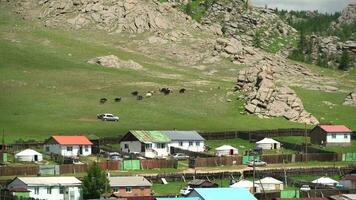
(47, 88)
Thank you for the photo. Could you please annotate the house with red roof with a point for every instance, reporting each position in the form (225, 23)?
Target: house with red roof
(69, 146)
(331, 135)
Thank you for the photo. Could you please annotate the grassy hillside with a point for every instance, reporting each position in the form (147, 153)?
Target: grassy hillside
(46, 87)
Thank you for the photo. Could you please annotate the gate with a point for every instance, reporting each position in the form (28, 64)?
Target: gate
(246, 159)
(131, 165)
(349, 157)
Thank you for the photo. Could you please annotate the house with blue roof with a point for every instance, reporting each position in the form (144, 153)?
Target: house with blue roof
(222, 194)
(179, 198)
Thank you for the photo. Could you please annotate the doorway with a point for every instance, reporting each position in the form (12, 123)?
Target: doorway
(35, 157)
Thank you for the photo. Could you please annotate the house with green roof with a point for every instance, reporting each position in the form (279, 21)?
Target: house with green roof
(150, 144)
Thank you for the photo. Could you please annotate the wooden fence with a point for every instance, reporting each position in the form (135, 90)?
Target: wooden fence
(215, 161)
(110, 165)
(72, 168)
(19, 170)
(190, 153)
(152, 164)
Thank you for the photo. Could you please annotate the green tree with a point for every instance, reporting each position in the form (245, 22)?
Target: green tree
(344, 61)
(95, 182)
(257, 39)
(188, 9)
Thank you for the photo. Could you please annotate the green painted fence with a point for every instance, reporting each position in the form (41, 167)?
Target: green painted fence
(246, 159)
(349, 157)
(290, 194)
(131, 165)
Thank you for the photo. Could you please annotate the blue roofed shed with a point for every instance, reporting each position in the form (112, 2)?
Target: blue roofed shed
(222, 193)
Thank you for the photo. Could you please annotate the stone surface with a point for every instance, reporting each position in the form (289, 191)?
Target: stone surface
(114, 62)
(350, 99)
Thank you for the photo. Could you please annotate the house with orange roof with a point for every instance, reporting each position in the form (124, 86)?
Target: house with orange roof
(331, 135)
(68, 146)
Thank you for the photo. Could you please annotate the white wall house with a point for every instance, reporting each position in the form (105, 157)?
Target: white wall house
(188, 140)
(150, 144)
(28, 155)
(331, 135)
(153, 144)
(270, 184)
(268, 144)
(49, 188)
(69, 146)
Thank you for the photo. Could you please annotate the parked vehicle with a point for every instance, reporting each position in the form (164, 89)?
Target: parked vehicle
(107, 117)
(257, 163)
(180, 156)
(186, 191)
(305, 188)
(115, 157)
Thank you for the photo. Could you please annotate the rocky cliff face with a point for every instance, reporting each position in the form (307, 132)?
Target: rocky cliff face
(348, 16)
(111, 15)
(238, 21)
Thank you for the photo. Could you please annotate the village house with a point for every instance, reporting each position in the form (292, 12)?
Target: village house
(268, 144)
(188, 140)
(68, 146)
(153, 144)
(129, 186)
(270, 184)
(222, 193)
(47, 188)
(349, 181)
(331, 135)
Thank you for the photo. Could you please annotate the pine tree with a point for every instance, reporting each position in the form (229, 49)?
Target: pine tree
(344, 61)
(95, 183)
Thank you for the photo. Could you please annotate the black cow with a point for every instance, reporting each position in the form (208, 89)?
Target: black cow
(166, 91)
(182, 90)
(135, 93)
(139, 97)
(103, 100)
(118, 99)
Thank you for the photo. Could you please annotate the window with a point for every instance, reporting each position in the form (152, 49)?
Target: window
(333, 136)
(128, 189)
(180, 144)
(190, 143)
(61, 190)
(161, 145)
(126, 146)
(69, 148)
(197, 143)
(49, 190)
(116, 189)
(86, 147)
(37, 190)
(47, 148)
(148, 146)
(345, 136)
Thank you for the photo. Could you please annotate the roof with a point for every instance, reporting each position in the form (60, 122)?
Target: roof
(70, 140)
(350, 177)
(28, 152)
(335, 128)
(129, 181)
(48, 181)
(243, 184)
(311, 198)
(198, 182)
(324, 180)
(183, 135)
(225, 193)
(343, 197)
(225, 147)
(179, 198)
(269, 180)
(267, 141)
(151, 136)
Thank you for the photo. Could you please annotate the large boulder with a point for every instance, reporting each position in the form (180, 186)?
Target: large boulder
(350, 99)
(114, 62)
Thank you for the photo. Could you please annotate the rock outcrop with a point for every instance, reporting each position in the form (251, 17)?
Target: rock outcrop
(243, 24)
(265, 98)
(350, 99)
(111, 15)
(114, 62)
(348, 16)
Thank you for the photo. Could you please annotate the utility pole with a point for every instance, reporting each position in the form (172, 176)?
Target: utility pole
(306, 142)
(254, 175)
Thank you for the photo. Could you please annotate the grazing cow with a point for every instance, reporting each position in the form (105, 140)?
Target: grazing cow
(166, 91)
(139, 97)
(182, 90)
(149, 94)
(103, 100)
(118, 99)
(135, 93)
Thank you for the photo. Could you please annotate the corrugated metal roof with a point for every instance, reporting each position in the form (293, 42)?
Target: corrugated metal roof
(335, 128)
(48, 181)
(224, 193)
(150, 136)
(184, 135)
(128, 181)
(72, 140)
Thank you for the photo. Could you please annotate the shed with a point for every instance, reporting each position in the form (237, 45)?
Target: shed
(325, 181)
(270, 184)
(29, 155)
(201, 183)
(268, 143)
(226, 150)
(248, 185)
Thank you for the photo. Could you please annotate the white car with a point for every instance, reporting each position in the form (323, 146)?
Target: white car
(258, 163)
(180, 156)
(107, 117)
(305, 188)
(186, 191)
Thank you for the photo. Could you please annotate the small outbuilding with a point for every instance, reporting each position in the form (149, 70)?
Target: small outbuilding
(201, 183)
(325, 181)
(246, 184)
(226, 150)
(329, 135)
(270, 184)
(268, 144)
(29, 155)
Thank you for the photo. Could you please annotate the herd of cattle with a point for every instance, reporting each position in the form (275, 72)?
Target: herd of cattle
(165, 91)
